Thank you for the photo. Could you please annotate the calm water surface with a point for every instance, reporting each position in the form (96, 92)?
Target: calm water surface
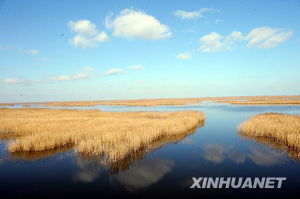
(215, 149)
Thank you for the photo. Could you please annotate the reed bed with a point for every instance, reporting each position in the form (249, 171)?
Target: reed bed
(120, 165)
(114, 135)
(263, 102)
(141, 102)
(36, 155)
(273, 143)
(282, 128)
(166, 102)
(7, 104)
(124, 164)
(26, 105)
(278, 97)
(286, 99)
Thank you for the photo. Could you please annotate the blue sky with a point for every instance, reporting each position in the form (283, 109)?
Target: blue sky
(88, 50)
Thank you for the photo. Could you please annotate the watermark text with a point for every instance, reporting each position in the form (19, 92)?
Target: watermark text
(238, 183)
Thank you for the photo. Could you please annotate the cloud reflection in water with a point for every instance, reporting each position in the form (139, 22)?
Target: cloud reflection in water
(217, 153)
(144, 174)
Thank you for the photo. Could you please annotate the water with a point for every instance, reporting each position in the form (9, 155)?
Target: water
(215, 149)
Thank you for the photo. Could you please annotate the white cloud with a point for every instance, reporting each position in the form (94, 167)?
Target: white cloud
(69, 77)
(101, 37)
(84, 27)
(266, 37)
(87, 34)
(33, 52)
(131, 23)
(232, 38)
(194, 14)
(263, 37)
(89, 69)
(88, 42)
(81, 41)
(185, 55)
(137, 67)
(211, 42)
(19, 49)
(114, 71)
(214, 42)
(13, 81)
(21, 81)
(79, 76)
(61, 78)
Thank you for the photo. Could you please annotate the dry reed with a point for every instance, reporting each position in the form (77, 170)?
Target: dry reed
(266, 97)
(26, 105)
(7, 104)
(124, 164)
(173, 101)
(120, 165)
(114, 135)
(263, 102)
(141, 102)
(283, 128)
(273, 143)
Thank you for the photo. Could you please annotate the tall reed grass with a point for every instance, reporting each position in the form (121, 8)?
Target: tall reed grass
(141, 102)
(114, 135)
(269, 100)
(266, 97)
(262, 102)
(282, 128)
(125, 163)
(273, 143)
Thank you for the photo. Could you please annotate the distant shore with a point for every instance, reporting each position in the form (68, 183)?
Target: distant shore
(239, 100)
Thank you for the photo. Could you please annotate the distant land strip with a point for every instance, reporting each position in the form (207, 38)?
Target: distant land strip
(237, 100)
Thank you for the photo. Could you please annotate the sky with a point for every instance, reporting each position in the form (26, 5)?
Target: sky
(92, 50)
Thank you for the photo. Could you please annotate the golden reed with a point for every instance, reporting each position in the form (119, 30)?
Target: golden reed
(141, 102)
(263, 102)
(283, 128)
(112, 134)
